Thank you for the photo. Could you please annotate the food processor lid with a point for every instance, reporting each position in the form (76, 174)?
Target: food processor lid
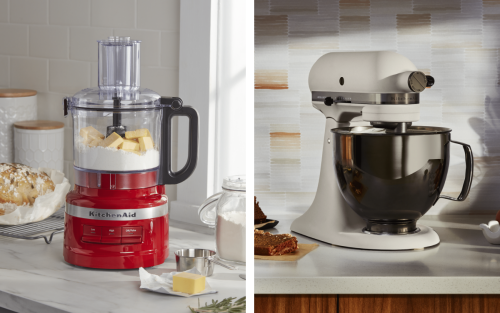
(119, 77)
(236, 183)
(129, 99)
(381, 131)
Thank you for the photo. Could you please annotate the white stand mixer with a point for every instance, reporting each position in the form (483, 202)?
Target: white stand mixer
(351, 89)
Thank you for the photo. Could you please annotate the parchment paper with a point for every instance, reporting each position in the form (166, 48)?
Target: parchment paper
(165, 282)
(43, 207)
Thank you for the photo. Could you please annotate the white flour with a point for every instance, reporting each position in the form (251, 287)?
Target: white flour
(231, 236)
(112, 159)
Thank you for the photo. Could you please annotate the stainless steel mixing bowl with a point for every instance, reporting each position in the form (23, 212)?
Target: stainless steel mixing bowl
(391, 179)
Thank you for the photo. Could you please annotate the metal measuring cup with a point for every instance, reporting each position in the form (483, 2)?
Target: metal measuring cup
(202, 259)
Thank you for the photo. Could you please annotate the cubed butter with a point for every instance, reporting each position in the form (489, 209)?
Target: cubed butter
(89, 133)
(128, 144)
(189, 283)
(112, 141)
(143, 132)
(133, 151)
(95, 142)
(145, 143)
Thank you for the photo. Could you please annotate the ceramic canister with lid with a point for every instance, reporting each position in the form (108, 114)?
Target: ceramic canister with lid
(39, 144)
(15, 105)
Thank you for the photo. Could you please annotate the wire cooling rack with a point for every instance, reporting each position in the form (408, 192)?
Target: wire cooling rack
(54, 224)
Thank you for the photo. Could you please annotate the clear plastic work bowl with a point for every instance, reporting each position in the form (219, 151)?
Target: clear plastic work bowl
(134, 123)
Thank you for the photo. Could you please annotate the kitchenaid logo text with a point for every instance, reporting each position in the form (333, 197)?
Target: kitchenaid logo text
(402, 98)
(111, 215)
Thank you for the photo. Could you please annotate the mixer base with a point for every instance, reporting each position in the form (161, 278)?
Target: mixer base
(380, 227)
(426, 238)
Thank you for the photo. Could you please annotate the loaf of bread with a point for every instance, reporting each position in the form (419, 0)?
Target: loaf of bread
(21, 184)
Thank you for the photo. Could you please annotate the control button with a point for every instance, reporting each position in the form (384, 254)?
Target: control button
(111, 231)
(91, 230)
(130, 231)
(132, 239)
(105, 239)
(91, 238)
(111, 234)
(328, 101)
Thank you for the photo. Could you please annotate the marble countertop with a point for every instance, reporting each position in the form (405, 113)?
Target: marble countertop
(35, 278)
(463, 263)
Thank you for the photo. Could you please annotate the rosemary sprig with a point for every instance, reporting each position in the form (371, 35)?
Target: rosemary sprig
(224, 306)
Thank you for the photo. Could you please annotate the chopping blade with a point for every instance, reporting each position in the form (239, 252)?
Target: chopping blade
(117, 126)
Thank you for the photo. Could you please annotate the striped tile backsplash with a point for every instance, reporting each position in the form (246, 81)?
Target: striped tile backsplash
(457, 42)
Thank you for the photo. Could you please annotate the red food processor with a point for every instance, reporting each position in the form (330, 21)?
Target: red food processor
(116, 216)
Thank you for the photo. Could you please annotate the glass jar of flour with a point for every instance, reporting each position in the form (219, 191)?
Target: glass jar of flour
(226, 212)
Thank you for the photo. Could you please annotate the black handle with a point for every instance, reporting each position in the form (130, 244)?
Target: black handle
(173, 107)
(469, 173)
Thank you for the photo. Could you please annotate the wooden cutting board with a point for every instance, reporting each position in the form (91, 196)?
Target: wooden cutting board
(304, 248)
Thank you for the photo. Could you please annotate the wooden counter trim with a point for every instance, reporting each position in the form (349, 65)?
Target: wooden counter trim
(419, 303)
(377, 303)
(295, 303)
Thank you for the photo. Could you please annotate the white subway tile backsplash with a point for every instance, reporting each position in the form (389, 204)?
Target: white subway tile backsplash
(4, 11)
(150, 44)
(163, 81)
(68, 77)
(4, 71)
(158, 14)
(14, 39)
(113, 13)
(68, 144)
(36, 56)
(93, 74)
(52, 104)
(29, 11)
(69, 12)
(29, 73)
(170, 49)
(83, 42)
(48, 42)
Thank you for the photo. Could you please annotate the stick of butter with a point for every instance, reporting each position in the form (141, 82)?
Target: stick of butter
(145, 143)
(189, 283)
(143, 132)
(91, 133)
(95, 142)
(113, 141)
(129, 145)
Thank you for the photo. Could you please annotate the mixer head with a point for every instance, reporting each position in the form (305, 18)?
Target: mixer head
(380, 87)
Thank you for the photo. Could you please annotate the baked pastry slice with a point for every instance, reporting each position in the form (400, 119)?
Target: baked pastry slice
(269, 244)
(258, 215)
(21, 184)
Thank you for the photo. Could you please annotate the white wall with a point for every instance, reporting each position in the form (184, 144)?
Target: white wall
(212, 80)
(230, 150)
(50, 46)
